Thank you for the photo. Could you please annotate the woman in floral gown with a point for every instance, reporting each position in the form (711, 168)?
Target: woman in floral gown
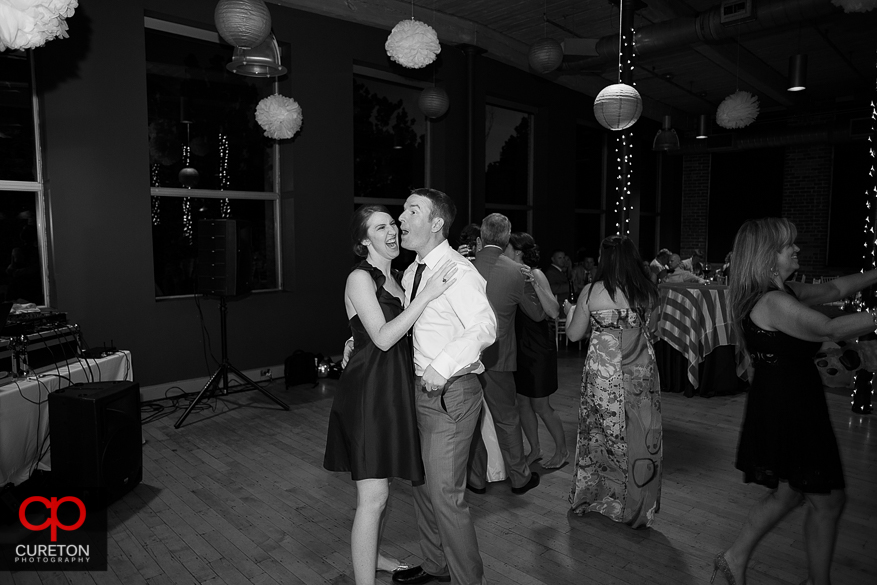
(619, 446)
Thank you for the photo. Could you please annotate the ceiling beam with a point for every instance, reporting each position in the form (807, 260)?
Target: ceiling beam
(452, 30)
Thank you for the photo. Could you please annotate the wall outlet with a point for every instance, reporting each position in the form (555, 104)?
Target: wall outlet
(266, 373)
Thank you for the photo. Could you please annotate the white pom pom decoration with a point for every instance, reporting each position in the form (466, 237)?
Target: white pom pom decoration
(856, 5)
(738, 110)
(26, 24)
(412, 44)
(279, 116)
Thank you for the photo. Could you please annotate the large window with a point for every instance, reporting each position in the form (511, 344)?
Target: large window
(23, 249)
(390, 138)
(509, 164)
(590, 189)
(208, 157)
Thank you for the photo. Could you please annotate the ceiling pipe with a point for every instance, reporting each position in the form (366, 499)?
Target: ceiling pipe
(820, 134)
(706, 27)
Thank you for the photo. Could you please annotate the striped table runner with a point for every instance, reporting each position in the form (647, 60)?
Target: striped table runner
(694, 320)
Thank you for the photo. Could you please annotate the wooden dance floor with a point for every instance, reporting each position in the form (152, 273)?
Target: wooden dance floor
(238, 495)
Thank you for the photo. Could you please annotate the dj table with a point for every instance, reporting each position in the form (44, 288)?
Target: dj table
(24, 409)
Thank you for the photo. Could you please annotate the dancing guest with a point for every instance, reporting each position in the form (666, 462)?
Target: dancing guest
(536, 373)
(508, 292)
(448, 340)
(619, 449)
(377, 379)
(787, 443)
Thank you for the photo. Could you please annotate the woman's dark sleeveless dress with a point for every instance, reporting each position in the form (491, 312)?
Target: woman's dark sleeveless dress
(787, 433)
(372, 426)
(536, 374)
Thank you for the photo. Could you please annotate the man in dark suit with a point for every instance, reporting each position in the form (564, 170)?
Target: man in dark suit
(507, 289)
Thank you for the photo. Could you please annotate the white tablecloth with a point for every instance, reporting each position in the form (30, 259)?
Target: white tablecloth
(24, 410)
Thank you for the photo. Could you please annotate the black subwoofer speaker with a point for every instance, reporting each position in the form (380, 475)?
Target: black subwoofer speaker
(225, 257)
(95, 437)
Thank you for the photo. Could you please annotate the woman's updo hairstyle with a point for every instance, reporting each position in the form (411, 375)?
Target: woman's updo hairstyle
(359, 227)
(524, 242)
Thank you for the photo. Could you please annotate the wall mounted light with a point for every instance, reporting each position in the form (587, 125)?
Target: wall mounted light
(261, 61)
(797, 72)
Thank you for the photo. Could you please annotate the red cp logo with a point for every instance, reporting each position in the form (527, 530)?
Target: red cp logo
(52, 505)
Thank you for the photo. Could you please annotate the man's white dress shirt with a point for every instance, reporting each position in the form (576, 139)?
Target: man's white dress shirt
(455, 328)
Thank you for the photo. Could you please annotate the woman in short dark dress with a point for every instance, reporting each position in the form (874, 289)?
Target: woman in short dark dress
(372, 427)
(536, 374)
(787, 443)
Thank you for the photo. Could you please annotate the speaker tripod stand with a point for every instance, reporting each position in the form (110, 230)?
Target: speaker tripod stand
(222, 372)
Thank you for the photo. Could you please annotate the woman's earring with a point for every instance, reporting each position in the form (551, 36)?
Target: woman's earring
(774, 271)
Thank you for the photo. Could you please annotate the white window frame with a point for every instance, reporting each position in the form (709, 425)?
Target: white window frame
(37, 187)
(273, 196)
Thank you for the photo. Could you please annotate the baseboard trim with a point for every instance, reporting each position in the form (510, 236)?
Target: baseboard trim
(194, 385)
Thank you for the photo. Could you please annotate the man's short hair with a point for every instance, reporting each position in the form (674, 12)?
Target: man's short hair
(664, 252)
(442, 206)
(495, 230)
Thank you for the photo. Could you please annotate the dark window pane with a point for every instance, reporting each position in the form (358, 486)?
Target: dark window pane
(202, 117)
(507, 156)
(388, 139)
(17, 136)
(175, 239)
(21, 277)
(588, 233)
(849, 185)
(743, 185)
(647, 236)
(589, 168)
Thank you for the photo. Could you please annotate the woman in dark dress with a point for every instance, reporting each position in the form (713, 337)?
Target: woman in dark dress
(536, 374)
(372, 427)
(787, 443)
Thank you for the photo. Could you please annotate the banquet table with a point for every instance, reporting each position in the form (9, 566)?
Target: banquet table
(697, 353)
(24, 410)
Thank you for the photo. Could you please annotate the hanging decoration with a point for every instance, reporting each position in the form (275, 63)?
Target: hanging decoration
(738, 110)
(279, 116)
(618, 106)
(242, 23)
(224, 204)
(545, 55)
(413, 44)
(26, 24)
(624, 164)
(433, 102)
(856, 5)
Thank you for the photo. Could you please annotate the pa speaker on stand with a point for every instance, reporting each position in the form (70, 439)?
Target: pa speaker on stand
(225, 267)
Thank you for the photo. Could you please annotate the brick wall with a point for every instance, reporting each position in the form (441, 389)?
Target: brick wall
(806, 200)
(695, 203)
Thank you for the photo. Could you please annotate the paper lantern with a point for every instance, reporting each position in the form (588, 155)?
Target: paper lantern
(618, 106)
(433, 102)
(545, 55)
(738, 110)
(188, 177)
(242, 23)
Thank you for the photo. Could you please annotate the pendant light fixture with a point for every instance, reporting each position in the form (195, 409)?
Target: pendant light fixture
(797, 72)
(666, 139)
(701, 127)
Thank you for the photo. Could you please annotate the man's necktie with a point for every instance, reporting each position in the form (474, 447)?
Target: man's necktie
(417, 275)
